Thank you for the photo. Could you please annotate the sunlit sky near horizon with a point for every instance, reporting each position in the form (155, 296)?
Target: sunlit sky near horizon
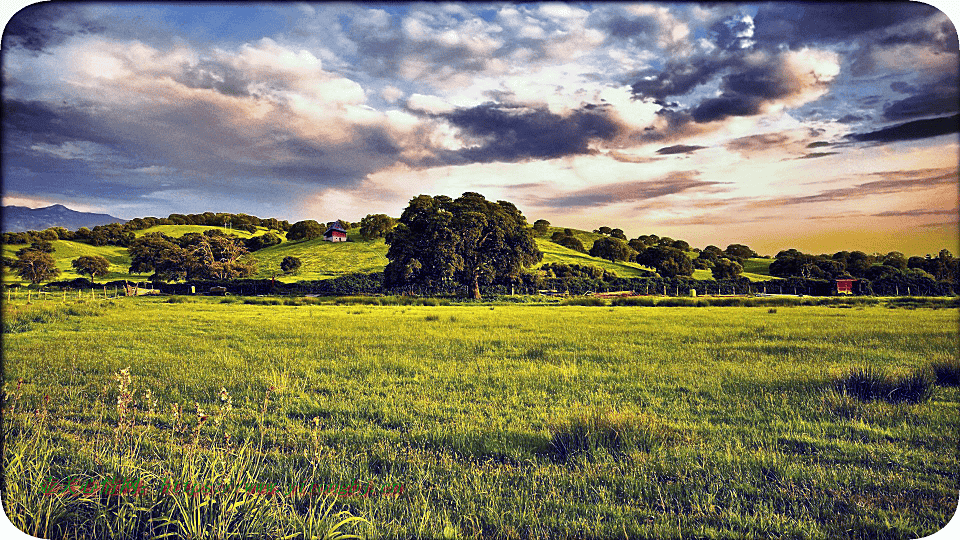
(815, 126)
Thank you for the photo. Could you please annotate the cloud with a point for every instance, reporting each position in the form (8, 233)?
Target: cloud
(891, 182)
(639, 190)
(39, 26)
(814, 155)
(679, 149)
(677, 78)
(917, 213)
(851, 118)
(934, 99)
(909, 131)
(764, 81)
(495, 132)
(811, 23)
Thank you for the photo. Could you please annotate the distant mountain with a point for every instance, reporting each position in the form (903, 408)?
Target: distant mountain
(21, 218)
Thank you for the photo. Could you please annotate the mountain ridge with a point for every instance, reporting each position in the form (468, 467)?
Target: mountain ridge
(22, 218)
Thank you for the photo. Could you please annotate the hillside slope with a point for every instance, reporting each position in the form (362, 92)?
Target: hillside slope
(323, 260)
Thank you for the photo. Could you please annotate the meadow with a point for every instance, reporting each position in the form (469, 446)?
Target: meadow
(324, 260)
(498, 421)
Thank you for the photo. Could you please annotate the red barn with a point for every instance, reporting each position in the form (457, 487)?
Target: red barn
(335, 232)
(845, 286)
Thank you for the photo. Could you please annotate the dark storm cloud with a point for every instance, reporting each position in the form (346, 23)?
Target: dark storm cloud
(639, 190)
(918, 129)
(679, 149)
(620, 24)
(814, 155)
(822, 22)
(726, 105)
(30, 122)
(515, 133)
(677, 78)
(46, 24)
(938, 98)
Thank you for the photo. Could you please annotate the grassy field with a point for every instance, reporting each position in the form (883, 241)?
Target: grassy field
(499, 421)
(322, 259)
(67, 250)
(176, 231)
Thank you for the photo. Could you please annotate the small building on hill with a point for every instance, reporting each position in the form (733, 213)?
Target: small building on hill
(336, 232)
(845, 286)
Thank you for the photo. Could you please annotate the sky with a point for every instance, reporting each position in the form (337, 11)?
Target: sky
(782, 125)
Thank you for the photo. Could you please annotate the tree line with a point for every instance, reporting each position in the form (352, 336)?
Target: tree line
(467, 244)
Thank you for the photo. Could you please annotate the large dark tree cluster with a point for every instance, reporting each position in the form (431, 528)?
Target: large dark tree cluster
(613, 249)
(873, 267)
(211, 255)
(469, 242)
(307, 229)
(376, 226)
(669, 262)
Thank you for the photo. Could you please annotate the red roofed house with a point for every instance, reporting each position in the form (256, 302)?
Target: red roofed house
(335, 232)
(845, 286)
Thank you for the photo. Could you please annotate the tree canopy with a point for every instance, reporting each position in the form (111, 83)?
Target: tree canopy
(612, 249)
(305, 230)
(376, 226)
(36, 266)
(91, 265)
(468, 241)
(669, 262)
(211, 255)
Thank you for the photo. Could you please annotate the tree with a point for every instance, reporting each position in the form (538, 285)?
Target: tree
(682, 245)
(36, 266)
(540, 226)
(571, 242)
(618, 233)
(290, 265)
(376, 226)
(305, 230)
(265, 240)
(158, 253)
(740, 251)
(612, 249)
(604, 230)
(91, 265)
(218, 256)
(726, 269)
(669, 262)
(468, 241)
(896, 260)
(42, 246)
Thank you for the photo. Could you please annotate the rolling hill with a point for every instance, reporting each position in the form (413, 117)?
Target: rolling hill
(323, 260)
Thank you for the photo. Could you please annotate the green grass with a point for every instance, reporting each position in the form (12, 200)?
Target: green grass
(501, 421)
(322, 259)
(67, 250)
(554, 253)
(176, 231)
